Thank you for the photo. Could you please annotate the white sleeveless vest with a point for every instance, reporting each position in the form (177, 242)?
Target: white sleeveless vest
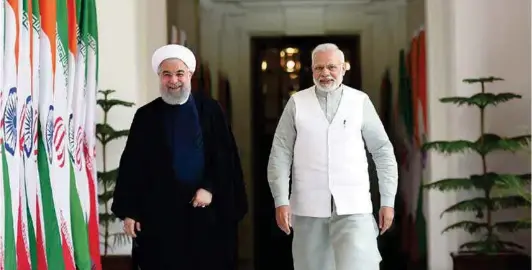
(329, 159)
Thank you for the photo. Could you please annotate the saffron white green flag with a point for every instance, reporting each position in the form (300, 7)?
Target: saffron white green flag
(35, 217)
(48, 185)
(24, 134)
(2, 197)
(11, 112)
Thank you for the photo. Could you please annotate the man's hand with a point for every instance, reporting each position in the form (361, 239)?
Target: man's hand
(386, 215)
(129, 227)
(283, 215)
(202, 198)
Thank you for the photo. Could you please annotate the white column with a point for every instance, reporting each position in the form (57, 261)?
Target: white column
(210, 35)
(474, 38)
(129, 31)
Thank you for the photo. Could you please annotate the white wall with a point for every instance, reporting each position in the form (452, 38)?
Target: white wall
(225, 35)
(129, 31)
(471, 39)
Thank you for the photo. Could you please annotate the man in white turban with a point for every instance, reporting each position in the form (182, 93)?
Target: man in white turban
(179, 189)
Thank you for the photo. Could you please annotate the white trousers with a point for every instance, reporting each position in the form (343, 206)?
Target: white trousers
(347, 242)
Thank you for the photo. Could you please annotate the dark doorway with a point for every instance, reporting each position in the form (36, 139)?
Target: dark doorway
(274, 77)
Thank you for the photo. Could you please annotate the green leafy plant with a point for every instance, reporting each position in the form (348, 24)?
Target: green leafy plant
(488, 182)
(105, 133)
(520, 188)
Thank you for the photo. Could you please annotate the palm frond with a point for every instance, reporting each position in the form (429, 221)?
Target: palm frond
(468, 226)
(106, 92)
(105, 133)
(451, 184)
(120, 239)
(482, 79)
(481, 182)
(105, 197)
(508, 202)
(511, 226)
(449, 147)
(108, 104)
(486, 246)
(107, 217)
(107, 177)
(470, 205)
(483, 145)
(491, 142)
(481, 100)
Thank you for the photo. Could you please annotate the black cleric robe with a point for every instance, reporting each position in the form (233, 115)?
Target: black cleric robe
(174, 234)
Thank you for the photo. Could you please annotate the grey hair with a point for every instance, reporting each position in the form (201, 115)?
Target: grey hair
(325, 47)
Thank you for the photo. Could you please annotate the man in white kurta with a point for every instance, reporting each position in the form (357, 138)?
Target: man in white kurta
(321, 139)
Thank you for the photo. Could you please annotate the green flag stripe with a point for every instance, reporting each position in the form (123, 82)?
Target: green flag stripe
(79, 226)
(10, 261)
(31, 236)
(51, 226)
(93, 31)
(62, 32)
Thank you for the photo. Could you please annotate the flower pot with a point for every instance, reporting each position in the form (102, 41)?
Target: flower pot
(497, 261)
(116, 262)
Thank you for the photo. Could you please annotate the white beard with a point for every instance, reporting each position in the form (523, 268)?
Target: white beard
(334, 85)
(175, 98)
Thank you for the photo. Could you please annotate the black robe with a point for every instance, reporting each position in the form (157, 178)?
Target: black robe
(175, 235)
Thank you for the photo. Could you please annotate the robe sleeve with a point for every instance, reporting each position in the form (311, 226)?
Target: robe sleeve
(231, 179)
(130, 171)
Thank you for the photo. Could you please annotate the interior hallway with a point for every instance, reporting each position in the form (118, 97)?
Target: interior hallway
(221, 33)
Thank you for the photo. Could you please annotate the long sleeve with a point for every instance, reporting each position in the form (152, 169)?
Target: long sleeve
(127, 188)
(381, 150)
(230, 188)
(281, 156)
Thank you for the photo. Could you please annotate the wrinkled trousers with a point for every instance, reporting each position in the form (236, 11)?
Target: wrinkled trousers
(347, 242)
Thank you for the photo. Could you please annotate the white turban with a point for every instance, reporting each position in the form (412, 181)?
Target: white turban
(173, 51)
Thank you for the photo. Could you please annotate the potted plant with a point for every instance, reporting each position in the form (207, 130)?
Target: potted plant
(489, 251)
(105, 133)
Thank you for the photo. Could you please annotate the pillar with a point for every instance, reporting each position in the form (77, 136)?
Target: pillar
(129, 32)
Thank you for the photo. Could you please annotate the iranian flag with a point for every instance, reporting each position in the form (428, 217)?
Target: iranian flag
(89, 142)
(10, 114)
(61, 165)
(54, 171)
(79, 194)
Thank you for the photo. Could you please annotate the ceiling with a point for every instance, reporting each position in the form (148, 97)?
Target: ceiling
(272, 3)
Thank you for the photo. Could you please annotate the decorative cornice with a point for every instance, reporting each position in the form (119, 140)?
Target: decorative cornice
(243, 6)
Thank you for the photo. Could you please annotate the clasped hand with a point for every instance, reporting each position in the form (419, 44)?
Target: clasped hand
(202, 198)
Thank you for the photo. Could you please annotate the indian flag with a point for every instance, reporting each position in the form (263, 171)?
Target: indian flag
(11, 113)
(89, 142)
(2, 197)
(35, 217)
(25, 136)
